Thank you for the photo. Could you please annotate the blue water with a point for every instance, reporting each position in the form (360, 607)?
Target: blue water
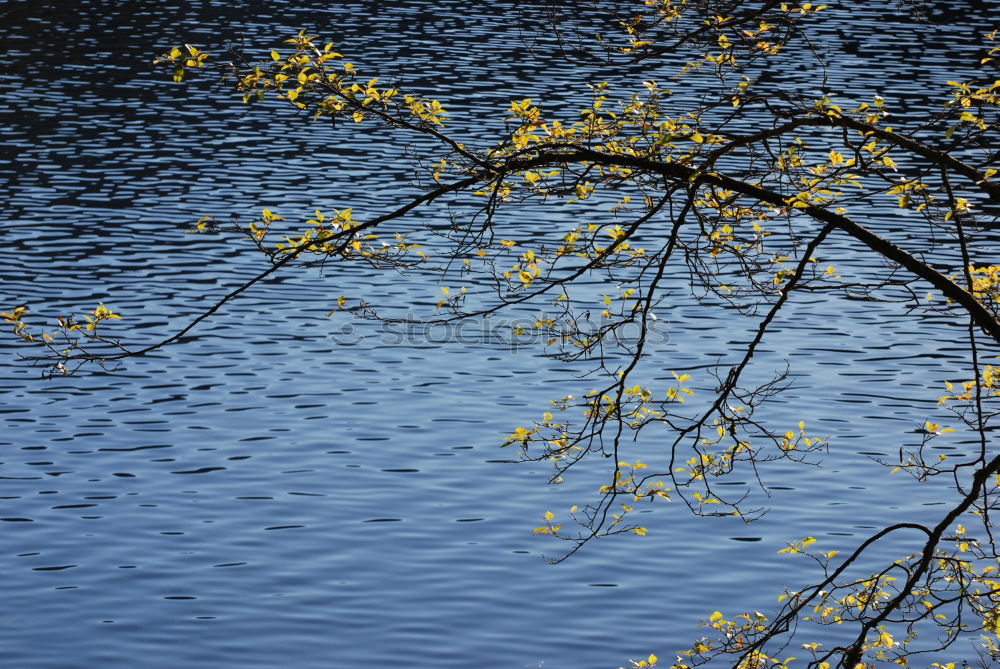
(264, 493)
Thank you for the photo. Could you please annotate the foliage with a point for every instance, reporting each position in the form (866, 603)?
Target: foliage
(738, 191)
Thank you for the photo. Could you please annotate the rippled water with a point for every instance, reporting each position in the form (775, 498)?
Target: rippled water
(259, 496)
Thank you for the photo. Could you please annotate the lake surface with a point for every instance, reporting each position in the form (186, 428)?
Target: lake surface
(264, 494)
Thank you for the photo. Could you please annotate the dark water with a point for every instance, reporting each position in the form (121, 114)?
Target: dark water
(260, 496)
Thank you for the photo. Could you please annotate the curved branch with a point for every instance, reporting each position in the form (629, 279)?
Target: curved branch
(853, 653)
(292, 254)
(887, 249)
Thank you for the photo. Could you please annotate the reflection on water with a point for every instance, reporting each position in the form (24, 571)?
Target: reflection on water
(258, 494)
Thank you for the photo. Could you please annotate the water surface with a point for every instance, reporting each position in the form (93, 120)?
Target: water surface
(261, 495)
